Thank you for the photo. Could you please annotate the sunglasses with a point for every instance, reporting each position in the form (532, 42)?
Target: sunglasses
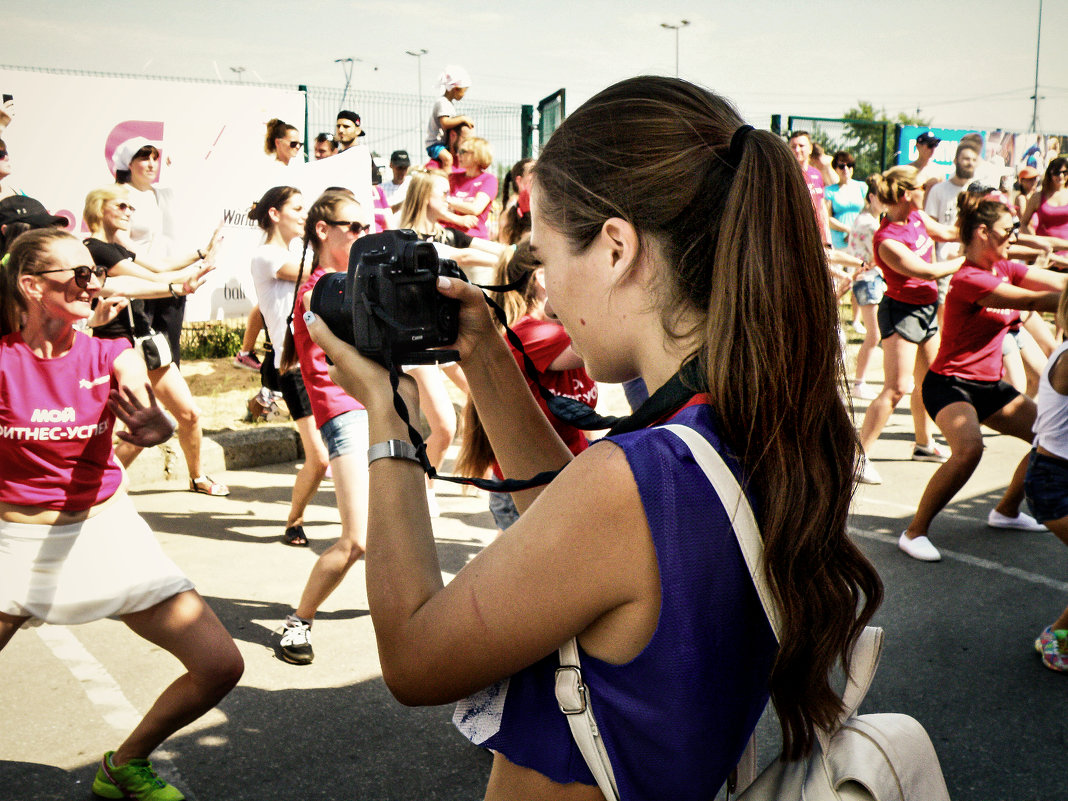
(3, 154)
(1060, 172)
(82, 274)
(123, 206)
(296, 144)
(843, 166)
(1010, 232)
(353, 226)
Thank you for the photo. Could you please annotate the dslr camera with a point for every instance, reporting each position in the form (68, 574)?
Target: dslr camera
(387, 305)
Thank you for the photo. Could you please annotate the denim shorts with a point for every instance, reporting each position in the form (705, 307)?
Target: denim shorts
(502, 507)
(346, 433)
(1046, 486)
(869, 291)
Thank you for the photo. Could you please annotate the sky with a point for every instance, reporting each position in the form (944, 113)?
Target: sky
(957, 64)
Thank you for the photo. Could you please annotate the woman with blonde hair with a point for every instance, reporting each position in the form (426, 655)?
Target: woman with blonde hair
(107, 213)
(690, 256)
(473, 188)
(903, 248)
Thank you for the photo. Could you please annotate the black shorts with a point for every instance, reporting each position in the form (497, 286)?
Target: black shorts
(915, 324)
(1046, 486)
(166, 315)
(987, 397)
(294, 393)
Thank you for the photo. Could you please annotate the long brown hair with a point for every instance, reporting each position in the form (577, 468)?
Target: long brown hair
(476, 453)
(29, 253)
(322, 209)
(742, 250)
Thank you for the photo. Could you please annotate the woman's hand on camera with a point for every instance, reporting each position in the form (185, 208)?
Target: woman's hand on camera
(362, 378)
(476, 321)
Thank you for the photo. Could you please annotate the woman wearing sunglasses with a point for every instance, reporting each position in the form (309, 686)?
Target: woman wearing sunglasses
(282, 142)
(1051, 205)
(964, 388)
(333, 223)
(108, 213)
(474, 187)
(72, 547)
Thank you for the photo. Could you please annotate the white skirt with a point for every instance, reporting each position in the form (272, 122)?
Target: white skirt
(110, 564)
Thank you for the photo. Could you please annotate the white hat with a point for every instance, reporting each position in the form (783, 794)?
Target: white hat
(125, 152)
(454, 77)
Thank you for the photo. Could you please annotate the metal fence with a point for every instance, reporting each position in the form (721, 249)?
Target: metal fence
(399, 122)
(551, 112)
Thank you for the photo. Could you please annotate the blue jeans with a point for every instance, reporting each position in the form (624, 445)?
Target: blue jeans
(346, 433)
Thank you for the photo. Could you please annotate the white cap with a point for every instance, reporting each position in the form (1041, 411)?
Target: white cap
(454, 77)
(125, 152)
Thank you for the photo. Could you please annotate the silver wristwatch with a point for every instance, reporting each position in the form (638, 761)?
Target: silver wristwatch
(393, 449)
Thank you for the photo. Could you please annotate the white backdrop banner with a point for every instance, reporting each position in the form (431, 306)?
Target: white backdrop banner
(66, 129)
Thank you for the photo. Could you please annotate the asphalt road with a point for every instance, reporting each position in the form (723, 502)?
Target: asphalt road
(958, 654)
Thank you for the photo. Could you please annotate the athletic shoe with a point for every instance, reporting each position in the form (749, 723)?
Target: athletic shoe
(247, 361)
(929, 453)
(136, 779)
(859, 327)
(1022, 522)
(866, 474)
(1053, 645)
(919, 548)
(864, 392)
(296, 642)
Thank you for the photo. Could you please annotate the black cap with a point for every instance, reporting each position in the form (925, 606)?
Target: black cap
(351, 116)
(928, 138)
(25, 209)
(399, 158)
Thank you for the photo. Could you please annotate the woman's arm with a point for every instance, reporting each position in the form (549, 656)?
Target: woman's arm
(900, 259)
(1026, 222)
(475, 205)
(1044, 280)
(1040, 290)
(939, 231)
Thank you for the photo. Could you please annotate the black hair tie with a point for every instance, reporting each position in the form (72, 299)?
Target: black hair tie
(734, 155)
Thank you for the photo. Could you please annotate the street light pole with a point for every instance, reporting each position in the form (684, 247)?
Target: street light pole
(422, 51)
(1038, 47)
(682, 23)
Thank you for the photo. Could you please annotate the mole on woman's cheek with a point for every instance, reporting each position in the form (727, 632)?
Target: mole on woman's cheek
(581, 321)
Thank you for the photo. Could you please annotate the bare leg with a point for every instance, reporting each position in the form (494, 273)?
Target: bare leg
(871, 339)
(350, 486)
(252, 330)
(1015, 419)
(9, 624)
(456, 375)
(960, 426)
(174, 394)
(899, 358)
(436, 404)
(311, 473)
(185, 626)
(921, 423)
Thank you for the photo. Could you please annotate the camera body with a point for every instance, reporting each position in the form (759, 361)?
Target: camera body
(396, 274)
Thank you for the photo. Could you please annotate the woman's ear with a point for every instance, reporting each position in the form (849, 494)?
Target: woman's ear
(619, 240)
(274, 214)
(29, 285)
(320, 230)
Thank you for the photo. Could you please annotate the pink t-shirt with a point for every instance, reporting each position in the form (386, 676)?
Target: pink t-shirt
(816, 189)
(1052, 221)
(327, 399)
(55, 425)
(972, 334)
(912, 234)
(381, 208)
(465, 188)
(544, 340)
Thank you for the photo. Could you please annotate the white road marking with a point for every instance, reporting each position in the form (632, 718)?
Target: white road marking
(974, 561)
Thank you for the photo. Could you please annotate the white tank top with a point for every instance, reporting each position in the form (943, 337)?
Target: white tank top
(1051, 423)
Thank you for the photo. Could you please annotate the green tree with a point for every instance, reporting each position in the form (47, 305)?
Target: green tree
(871, 136)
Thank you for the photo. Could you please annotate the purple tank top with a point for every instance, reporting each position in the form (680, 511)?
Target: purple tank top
(676, 718)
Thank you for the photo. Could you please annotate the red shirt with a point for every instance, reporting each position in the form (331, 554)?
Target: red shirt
(972, 334)
(327, 399)
(544, 340)
(912, 234)
(55, 425)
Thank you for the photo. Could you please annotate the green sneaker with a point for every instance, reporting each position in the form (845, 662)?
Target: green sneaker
(136, 779)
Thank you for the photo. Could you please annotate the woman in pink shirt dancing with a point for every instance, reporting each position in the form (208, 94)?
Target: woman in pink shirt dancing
(72, 547)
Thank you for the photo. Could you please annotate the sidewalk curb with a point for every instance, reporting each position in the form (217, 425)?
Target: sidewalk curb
(221, 450)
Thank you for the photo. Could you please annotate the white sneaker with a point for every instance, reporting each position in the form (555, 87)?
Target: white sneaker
(864, 392)
(296, 644)
(866, 474)
(930, 453)
(1022, 522)
(919, 548)
(859, 327)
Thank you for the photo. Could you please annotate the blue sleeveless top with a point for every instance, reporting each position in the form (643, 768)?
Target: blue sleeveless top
(675, 719)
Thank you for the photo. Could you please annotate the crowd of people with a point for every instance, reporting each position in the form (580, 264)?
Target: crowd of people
(674, 262)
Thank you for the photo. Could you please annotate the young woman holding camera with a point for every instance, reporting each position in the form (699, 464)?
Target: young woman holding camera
(660, 251)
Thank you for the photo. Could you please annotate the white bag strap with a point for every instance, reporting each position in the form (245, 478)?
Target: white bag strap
(574, 701)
